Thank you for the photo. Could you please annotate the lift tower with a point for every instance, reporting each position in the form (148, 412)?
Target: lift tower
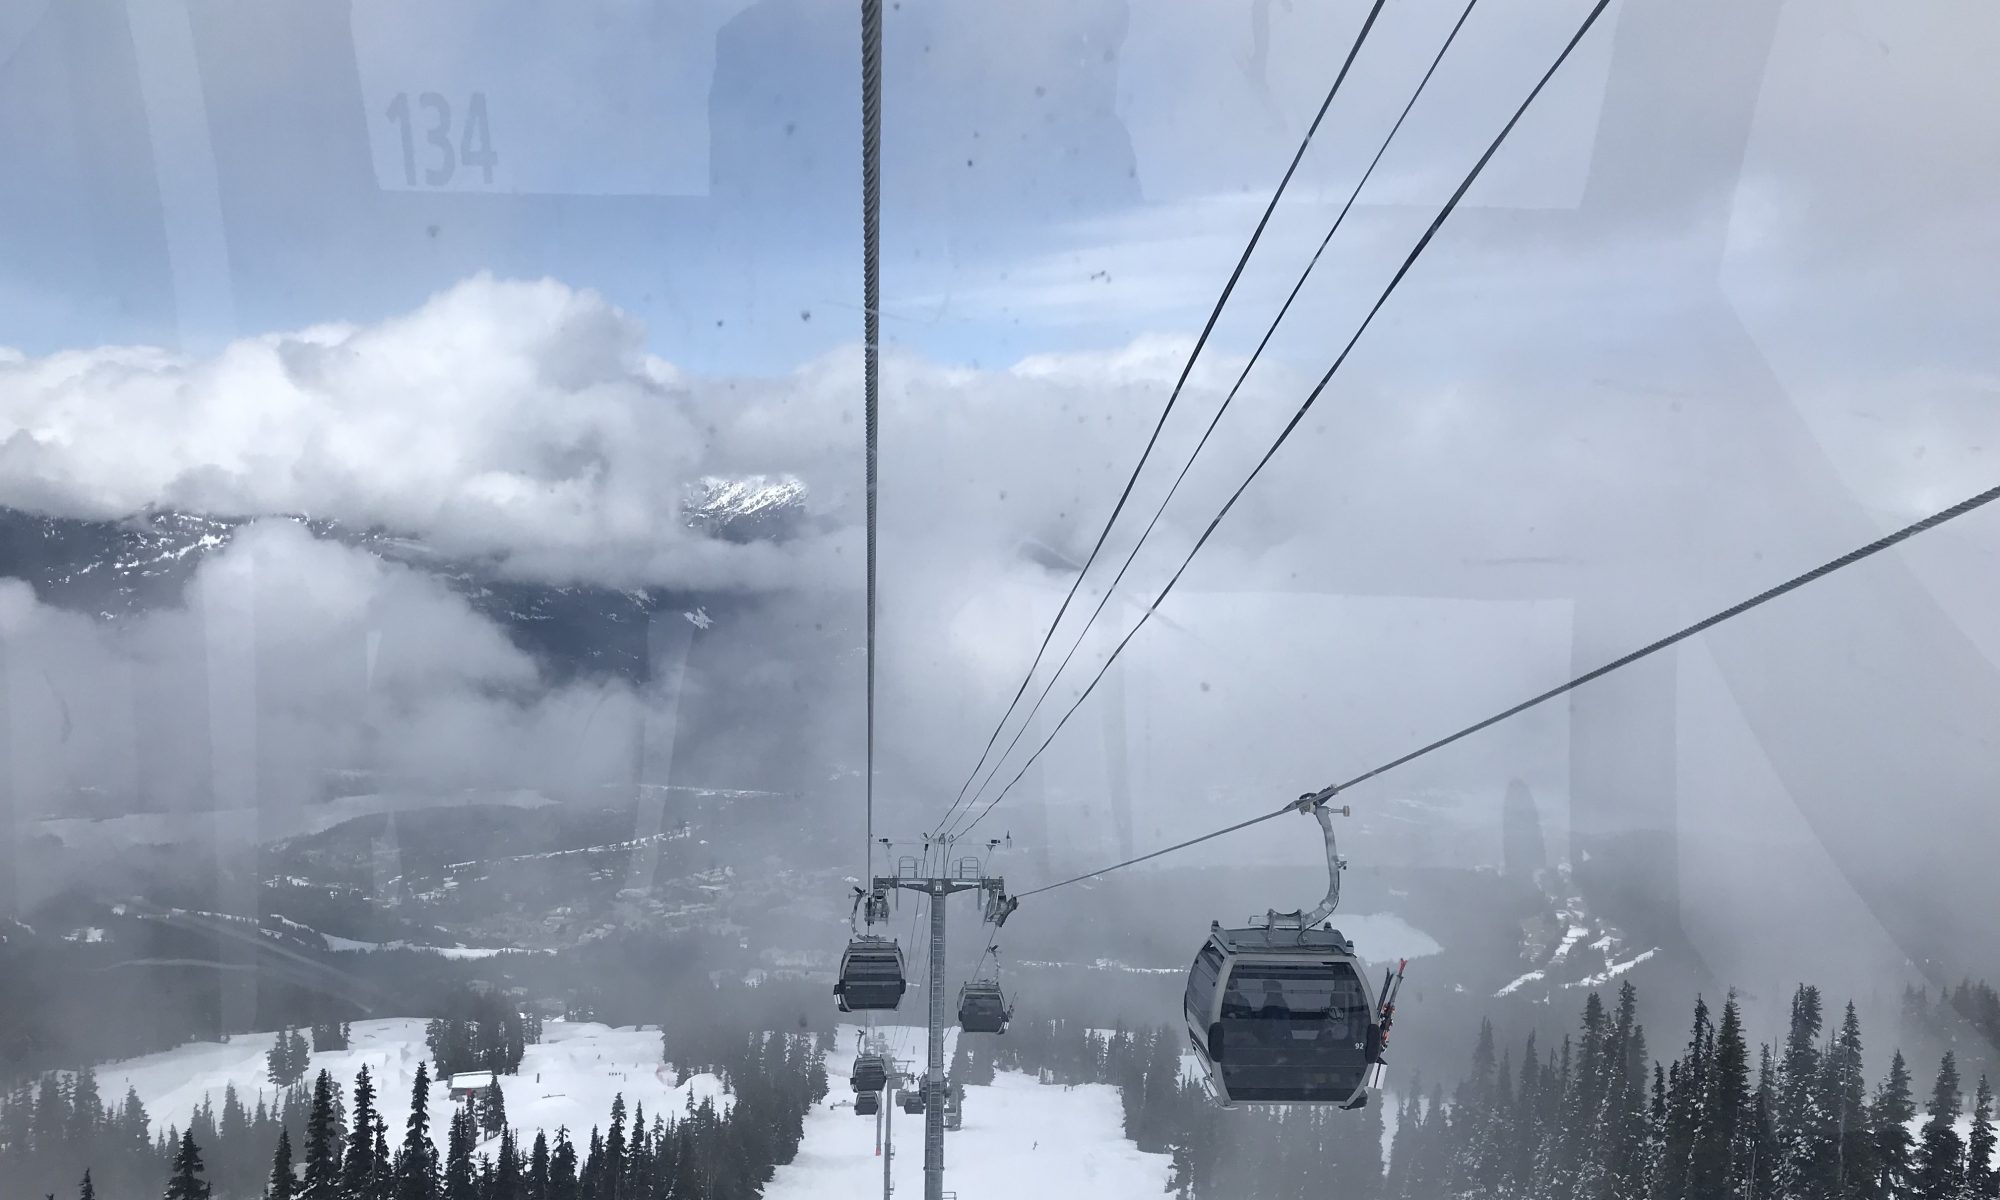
(964, 875)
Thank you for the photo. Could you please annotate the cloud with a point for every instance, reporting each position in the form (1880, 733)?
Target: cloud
(290, 657)
(504, 419)
(523, 423)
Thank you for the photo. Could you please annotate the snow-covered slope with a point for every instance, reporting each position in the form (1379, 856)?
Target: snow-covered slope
(1021, 1140)
(569, 1079)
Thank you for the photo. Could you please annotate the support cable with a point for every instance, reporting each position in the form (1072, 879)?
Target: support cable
(1313, 799)
(871, 289)
(1312, 397)
(1187, 369)
(1333, 229)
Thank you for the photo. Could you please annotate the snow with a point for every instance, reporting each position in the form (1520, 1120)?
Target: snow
(1020, 1139)
(611, 848)
(1916, 1127)
(1576, 934)
(569, 1079)
(350, 945)
(1612, 971)
(1515, 986)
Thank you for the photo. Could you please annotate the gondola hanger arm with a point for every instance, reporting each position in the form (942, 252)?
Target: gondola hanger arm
(1314, 804)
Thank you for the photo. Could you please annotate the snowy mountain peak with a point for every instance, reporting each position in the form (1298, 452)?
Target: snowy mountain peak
(745, 507)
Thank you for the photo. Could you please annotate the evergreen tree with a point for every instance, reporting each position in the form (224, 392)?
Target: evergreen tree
(1552, 1098)
(384, 1187)
(1889, 1118)
(416, 1166)
(1982, 1179)
(1763, 1169)
(86, 1190)
(506, 1183)
(1630, 1123)
(493, 1109)
(609, 1183)
(458, 1178)
(1499, 1134)
(538, 1168)
(1577, 1165)
(322, 1174)
(816, 1082)
(1940, 1164)
(1687, 1091)
(562, 1168)
(186, 1182)
(1846, 1092)
(1524, 1124)
(1719, 1155)
(358, 1167)
(236, 1165)
(86, 1111)
(589, 1176)
(1466, 1170)
(1806, 1159)
(282, 1186)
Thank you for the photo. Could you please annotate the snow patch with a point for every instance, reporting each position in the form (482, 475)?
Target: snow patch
(347, 945)
(1613, 971)
(1576, 934)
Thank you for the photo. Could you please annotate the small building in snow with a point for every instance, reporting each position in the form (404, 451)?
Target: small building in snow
(467, 1084)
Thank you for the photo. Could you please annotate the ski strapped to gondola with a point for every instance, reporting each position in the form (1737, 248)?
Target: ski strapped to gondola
(1385, 1016)
(1378, 1034)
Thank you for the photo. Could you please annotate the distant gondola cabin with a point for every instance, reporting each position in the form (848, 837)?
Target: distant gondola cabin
(467, 1084)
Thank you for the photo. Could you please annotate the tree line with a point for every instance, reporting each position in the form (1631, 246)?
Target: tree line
(330, 1143)
(1594, 1117)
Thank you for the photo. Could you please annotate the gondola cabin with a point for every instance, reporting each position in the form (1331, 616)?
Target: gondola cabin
(982, 1008)
(913, 1101)
(1281, 1016)
(871, 975)
(867, 1104)
(871, 1072)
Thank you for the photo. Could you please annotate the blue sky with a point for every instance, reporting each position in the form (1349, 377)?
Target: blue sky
(1058, 173)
